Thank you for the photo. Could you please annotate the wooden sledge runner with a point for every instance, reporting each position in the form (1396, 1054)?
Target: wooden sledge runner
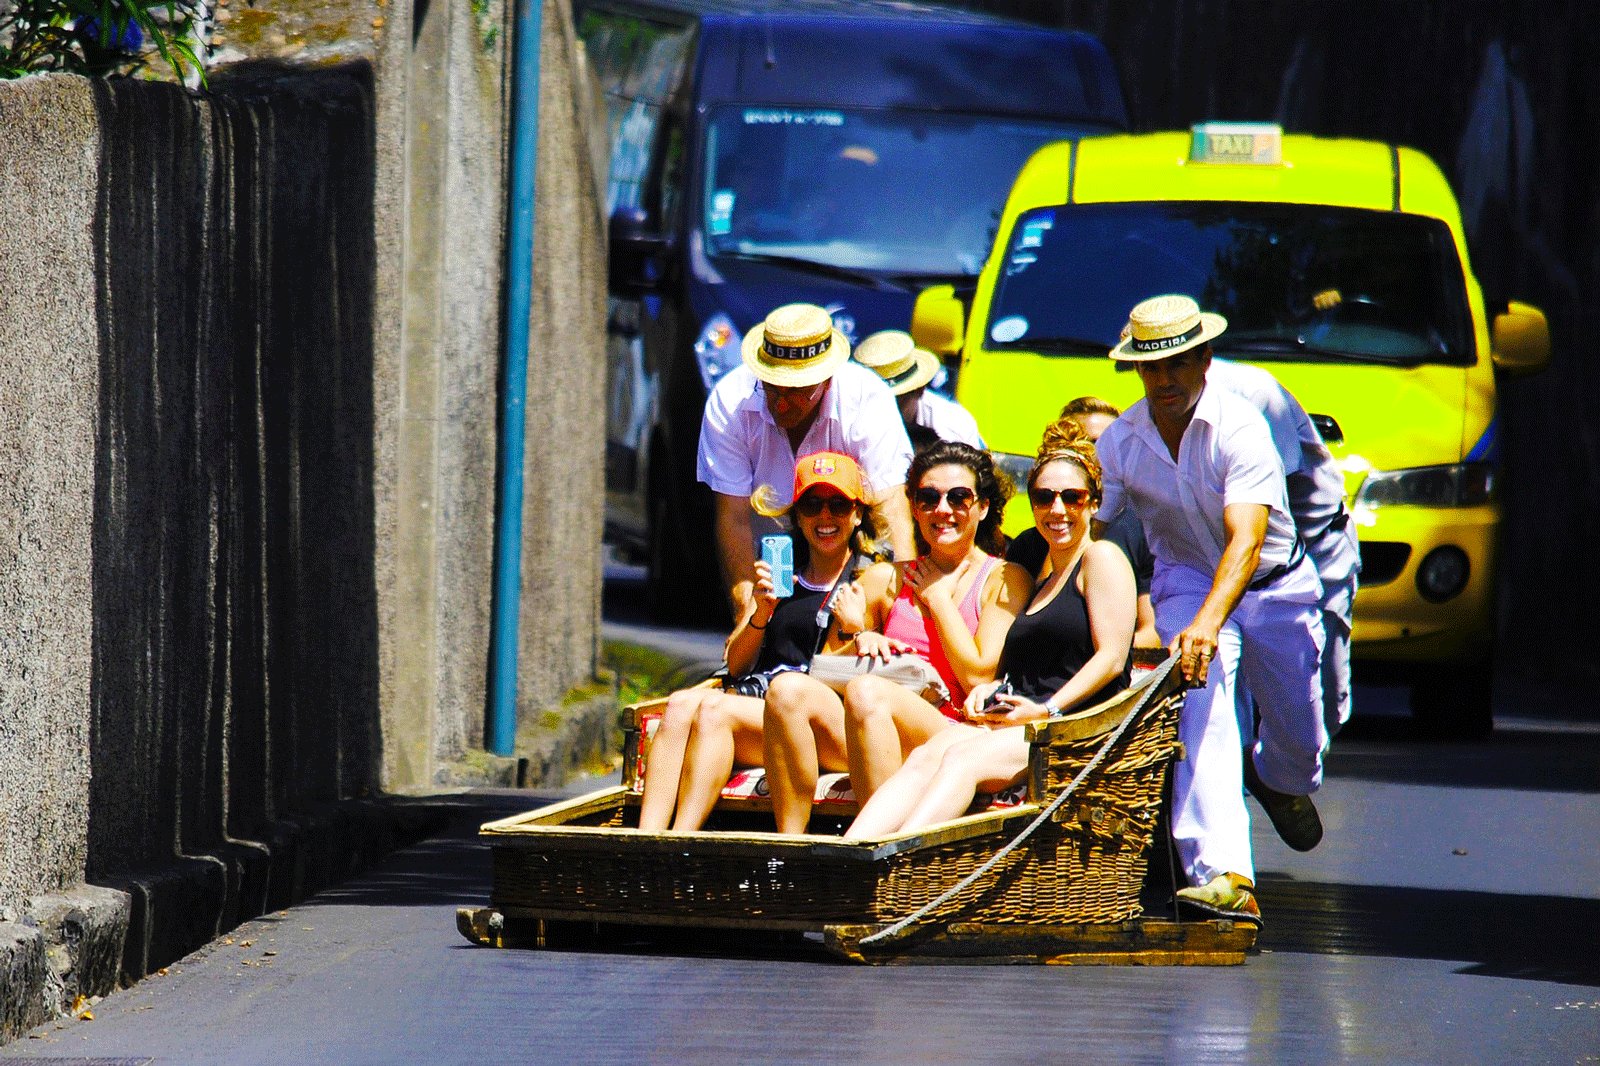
(1056, 879)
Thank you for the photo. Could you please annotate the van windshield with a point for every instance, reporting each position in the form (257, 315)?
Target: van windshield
(1306, 283)
(887, 192)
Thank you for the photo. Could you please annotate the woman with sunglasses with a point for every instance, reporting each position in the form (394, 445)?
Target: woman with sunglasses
(704, 733)
(954, 607)
(1068, 649)
(951, 608)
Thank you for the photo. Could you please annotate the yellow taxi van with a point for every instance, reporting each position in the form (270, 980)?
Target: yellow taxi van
(1342, 267)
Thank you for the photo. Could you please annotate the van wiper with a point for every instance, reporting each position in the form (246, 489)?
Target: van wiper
(1295, 346)
(1054, 345)
(811, 266)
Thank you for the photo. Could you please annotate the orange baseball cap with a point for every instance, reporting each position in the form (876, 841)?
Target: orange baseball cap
(829, 468)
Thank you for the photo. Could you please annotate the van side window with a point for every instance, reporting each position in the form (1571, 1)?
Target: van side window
(639, 64)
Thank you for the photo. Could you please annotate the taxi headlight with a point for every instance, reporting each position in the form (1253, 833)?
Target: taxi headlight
(1016, 467)
(1456, 485)
(1443, 574)
(716, 349)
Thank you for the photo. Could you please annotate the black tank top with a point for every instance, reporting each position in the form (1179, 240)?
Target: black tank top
(792, 632)
(1043, 650)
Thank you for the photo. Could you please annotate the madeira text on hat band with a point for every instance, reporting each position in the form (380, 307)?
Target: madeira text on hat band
(1158, 344)
(804, 351)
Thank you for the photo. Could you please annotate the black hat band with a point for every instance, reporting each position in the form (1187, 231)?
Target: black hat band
(797, 352)
(1161, 344)
(904, 375)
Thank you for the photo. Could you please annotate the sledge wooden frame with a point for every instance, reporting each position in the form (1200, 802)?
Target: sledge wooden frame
(1068, 894)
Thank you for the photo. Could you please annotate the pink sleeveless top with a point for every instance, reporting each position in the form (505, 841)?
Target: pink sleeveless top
(908, 622)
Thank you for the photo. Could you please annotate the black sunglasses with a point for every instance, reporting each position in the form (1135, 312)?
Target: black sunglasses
(927, 498)
(810, 506)
(1047, 497)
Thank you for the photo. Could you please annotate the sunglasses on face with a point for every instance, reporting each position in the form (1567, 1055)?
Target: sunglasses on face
(1042, 498)
(811, 506)
(927, 498)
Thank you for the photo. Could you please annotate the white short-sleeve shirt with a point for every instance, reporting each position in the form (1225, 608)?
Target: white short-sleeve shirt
(741, 447)
(947, 419)
(1226, 456)
(1315, 484)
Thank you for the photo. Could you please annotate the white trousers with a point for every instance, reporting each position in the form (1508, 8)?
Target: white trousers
(1270, 646)
(1337, 556)
(1335, 672)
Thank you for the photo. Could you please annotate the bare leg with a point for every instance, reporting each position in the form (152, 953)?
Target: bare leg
(887, 810)
(727, 731)
(985, 761)
(802, 729)
(664, 761)
(883, 722)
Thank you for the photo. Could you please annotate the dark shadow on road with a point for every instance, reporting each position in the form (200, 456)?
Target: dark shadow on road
(1531, 938)
(451, 868)
(1515, 757)
(1539, 938)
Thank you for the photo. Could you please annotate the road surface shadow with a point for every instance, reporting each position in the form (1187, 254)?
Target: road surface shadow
(1526, 757)
(1538, 938)
(1532, 938)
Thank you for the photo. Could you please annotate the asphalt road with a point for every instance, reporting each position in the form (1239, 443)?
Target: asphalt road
(1452, 915)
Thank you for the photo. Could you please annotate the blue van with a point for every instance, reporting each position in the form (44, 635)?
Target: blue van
(847, 154)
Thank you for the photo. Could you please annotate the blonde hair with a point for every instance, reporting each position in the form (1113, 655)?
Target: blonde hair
(1064, 439)
(766, 502)
(864, 541)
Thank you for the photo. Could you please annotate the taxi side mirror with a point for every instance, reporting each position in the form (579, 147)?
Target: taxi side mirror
(938, 320)
(1520, 339)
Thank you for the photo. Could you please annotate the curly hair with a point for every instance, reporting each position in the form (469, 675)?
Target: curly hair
(1064, 439)
(992, 488)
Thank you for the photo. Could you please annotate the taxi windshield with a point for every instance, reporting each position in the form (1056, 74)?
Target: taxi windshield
(1307, 283)
(886, 192)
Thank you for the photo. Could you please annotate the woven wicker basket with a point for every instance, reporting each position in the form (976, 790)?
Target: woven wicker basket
(581, 859)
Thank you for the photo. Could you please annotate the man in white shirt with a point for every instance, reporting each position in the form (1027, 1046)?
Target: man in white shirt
(1234, 595)
(1316, 501)
(796, 393)
(907, 369)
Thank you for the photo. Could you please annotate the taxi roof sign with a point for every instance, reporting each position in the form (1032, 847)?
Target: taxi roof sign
(1258, 143)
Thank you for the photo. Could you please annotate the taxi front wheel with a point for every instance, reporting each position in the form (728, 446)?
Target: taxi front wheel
(1454, 701)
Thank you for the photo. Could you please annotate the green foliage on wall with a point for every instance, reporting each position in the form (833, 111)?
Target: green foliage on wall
(98, 37)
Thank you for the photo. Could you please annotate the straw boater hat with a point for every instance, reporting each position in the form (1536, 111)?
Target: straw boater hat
(895, 357)
(1163, 326)
(796, 346)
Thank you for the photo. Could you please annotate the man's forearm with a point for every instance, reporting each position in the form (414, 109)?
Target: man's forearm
(735, 553)
(1232, 579)
(895, 512)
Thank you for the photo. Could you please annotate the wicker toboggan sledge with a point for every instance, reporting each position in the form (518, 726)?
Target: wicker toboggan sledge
(1056, 879)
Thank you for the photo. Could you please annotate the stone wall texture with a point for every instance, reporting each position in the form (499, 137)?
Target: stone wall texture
(250, 345)
(235, 672)
(48, 381)
(563, 507)
(1502, 93)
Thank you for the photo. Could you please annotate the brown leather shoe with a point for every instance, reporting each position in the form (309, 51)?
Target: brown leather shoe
(1294, 817)
(1229, 896)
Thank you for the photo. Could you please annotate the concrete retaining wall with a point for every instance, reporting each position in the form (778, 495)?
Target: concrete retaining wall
(247, 476)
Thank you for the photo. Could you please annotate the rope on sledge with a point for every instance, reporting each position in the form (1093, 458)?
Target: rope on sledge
(898, 929)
